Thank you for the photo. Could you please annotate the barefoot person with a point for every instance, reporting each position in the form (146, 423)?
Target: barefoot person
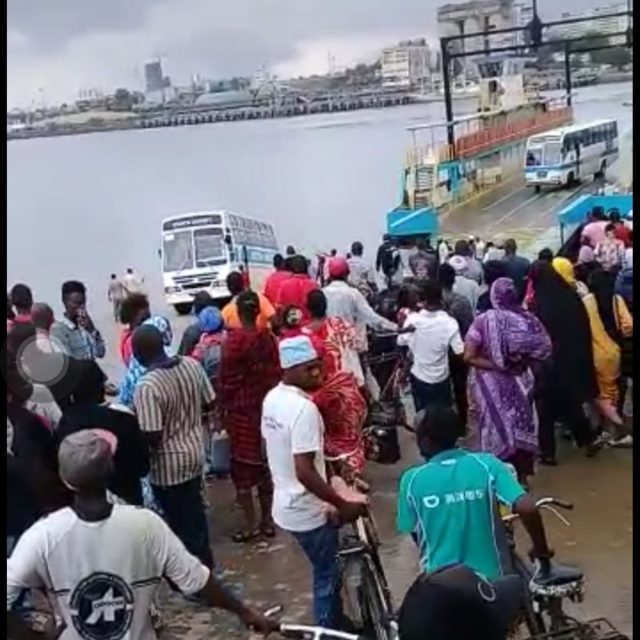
(249, 369)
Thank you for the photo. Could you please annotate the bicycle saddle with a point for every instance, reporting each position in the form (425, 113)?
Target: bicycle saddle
(557, 580)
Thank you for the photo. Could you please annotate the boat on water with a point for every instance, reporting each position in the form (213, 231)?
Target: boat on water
(488, 148)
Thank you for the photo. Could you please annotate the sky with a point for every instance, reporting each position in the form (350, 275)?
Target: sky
(57, 47)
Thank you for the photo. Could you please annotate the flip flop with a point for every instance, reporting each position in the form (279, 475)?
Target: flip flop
(268, 530)
(245, 536)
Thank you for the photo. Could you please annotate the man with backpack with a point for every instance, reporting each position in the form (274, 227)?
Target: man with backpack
(387, 259)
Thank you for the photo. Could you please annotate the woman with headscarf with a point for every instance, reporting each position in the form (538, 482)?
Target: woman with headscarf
(606, 351)
(569, 379)
(209, 347)
(249, 369)
(339, 400)
(135, 370)
(500, 348)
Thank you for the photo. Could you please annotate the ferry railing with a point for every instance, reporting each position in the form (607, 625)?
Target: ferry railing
(437, 153)
(481, 140)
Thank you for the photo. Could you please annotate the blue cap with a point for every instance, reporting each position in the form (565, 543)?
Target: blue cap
(296, 351)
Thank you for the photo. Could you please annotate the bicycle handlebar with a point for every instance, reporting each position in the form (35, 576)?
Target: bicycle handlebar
(307, 632)
(543, 503)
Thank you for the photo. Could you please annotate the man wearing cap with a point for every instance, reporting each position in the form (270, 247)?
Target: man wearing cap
(464, 285)
(348, 303)
(104, 562)
(304, 503)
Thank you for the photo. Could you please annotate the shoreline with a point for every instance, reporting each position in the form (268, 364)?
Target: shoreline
(213, 115)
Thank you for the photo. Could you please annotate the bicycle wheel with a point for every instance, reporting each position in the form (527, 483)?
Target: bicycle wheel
(376, 613)
(532, 618)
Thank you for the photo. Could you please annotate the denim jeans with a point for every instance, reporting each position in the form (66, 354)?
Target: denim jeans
(321, 548)
(184, 511)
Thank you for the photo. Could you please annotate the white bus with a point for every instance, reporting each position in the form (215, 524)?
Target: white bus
(563, 157)
(199, 250)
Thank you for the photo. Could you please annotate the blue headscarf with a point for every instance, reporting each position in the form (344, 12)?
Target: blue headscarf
(210, 320)
(136, 370)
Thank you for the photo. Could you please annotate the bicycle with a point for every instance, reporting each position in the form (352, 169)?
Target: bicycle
(547, 585)
(366, 590)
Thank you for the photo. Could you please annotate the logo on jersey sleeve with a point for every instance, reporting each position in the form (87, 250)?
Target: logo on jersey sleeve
(102, 607)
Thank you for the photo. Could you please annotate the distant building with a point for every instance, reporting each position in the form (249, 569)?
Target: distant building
(407, 65)
(600, 23)
(523, 16)
(153, 79)
(478, 16)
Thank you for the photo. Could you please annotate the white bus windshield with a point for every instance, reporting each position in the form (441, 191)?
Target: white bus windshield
(209, 246)
(178, 251)
(553, 153)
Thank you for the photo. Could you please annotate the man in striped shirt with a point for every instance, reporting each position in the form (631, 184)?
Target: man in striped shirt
(169, 401)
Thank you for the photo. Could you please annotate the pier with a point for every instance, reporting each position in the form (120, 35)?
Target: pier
(209, 114)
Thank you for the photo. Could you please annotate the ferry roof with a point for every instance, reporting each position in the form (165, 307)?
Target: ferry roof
(562, 131)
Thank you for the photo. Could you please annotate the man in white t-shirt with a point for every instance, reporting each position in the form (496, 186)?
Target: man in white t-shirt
(292, 428)
(434, 333)
(102, 562)
(132, 282)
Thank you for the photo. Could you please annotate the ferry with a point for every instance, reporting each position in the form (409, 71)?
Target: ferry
(489, 145)
(200, 249)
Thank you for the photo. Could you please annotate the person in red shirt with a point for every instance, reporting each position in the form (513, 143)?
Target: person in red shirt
(246, 281)
(294, 291)
(621, 231)
(273, 282)
(22, 300)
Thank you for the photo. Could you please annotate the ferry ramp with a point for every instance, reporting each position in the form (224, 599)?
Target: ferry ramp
(510, 211)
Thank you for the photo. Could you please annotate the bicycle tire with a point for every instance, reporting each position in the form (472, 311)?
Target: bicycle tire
(376, 613)
(533, 619)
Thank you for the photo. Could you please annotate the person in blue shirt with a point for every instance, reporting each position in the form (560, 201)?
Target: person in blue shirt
(449, 504)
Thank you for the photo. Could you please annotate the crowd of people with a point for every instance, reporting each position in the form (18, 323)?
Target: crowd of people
(496, 352)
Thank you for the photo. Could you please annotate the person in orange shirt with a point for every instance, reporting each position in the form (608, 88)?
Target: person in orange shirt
(235, 284)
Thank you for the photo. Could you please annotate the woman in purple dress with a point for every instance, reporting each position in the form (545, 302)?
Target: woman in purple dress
(501, 347)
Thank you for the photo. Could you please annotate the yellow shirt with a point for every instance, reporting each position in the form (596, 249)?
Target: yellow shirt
(232, 320)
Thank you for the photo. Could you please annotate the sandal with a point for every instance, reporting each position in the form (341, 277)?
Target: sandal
(245, 536)
(268, 530)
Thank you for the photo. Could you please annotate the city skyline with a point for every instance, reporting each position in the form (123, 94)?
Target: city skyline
(57, 49)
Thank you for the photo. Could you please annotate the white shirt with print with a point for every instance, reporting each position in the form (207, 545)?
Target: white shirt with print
(103, 574)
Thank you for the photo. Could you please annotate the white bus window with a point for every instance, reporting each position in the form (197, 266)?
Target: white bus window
(534, 157)
(553, 153)
(178, 251)
(209, 247)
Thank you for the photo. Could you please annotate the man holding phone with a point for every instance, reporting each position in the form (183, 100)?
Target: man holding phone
(76, 333)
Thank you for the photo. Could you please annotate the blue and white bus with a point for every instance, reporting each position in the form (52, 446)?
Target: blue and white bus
(199, 250)
(563, 157)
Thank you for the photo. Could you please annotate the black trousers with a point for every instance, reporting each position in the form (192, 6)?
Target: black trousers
(425, 394)
(557, 402)
(184, 512)
(459, 371)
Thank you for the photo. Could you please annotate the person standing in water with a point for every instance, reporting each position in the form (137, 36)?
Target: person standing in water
(116, 293)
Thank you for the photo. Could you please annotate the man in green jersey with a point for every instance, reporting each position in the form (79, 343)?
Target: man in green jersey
(450, 503)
